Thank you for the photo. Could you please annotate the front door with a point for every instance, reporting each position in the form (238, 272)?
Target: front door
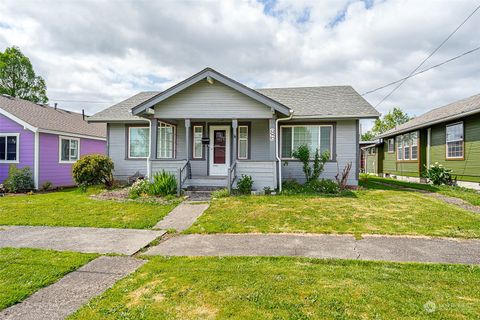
(219, 150)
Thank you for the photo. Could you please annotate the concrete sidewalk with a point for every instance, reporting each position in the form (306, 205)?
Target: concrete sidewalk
(371, 247)
(67, 295)
(89, 240)
(182, 217)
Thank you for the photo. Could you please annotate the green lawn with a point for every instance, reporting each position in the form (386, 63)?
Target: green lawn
(469, 195)
(377, 210)
(289, 288)
(74, 208)
(24, 271)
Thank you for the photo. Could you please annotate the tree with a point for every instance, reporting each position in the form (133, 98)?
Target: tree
(18, 79)
(389, 121)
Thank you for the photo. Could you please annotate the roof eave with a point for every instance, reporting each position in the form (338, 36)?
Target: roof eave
(208, 72)
(429, 123)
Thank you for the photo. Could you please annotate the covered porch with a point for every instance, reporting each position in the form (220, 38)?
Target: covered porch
(214, 152)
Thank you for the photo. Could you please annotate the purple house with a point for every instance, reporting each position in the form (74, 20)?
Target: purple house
(46, 139)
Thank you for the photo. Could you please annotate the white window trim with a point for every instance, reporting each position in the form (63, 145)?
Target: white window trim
(459, 140)
(174, 147)
(399, 145)
(128, 138)
(405, 144)
(201, 150)
(244, 139)
(391, 142)
(306, 125)
(17, 135)
(60, 138)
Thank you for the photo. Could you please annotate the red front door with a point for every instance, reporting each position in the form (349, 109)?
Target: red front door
(219, 146)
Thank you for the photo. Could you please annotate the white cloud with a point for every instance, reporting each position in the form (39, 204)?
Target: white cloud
(109, 50)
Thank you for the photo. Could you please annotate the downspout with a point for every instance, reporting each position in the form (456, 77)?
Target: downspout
(277, 153)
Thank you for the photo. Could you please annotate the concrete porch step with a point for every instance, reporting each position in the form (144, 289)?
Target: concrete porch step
(207, 181)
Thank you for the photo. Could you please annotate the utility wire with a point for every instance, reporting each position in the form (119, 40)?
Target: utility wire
(423, 71)
(429, 56)
(85, 101)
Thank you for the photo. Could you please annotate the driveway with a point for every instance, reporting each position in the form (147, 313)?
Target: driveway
(385, 248)
(88, 240)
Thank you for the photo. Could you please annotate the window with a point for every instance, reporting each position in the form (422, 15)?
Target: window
(399, 148)
(391, 145)
(242, 142)
(407, 146)
(197, 142)
(9, 147)
(69, 149)
(314, 136)
(165, 140)
(138, 142)
(455, 141)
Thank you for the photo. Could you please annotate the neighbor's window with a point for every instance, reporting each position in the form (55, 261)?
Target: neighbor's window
(138, 142)
(8, 147)
(391, 145)
(455, 141)
(414, 145)
(314, 136)
(406, 146)
(197, 142)
(69, 149)
(242, 142)
(165, 140)
(399, 148)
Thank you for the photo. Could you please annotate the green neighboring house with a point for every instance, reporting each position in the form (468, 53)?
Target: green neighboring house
(449, 135)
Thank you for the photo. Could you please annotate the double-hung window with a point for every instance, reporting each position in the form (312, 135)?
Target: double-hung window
(407, 146)
(315, 137)
(69, 149)
(391, 145)
(9, 143)
(165, 140)
(455, 141)
(138, 142)
(242, 142)
(197, 142)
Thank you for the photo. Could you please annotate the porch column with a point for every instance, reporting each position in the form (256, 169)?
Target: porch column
(187, 138)
(235, 147)
(153, 146)
(273, 137)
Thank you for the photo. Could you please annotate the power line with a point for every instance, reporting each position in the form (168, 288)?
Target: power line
(429, 56)
(423, 71)
(85, 101)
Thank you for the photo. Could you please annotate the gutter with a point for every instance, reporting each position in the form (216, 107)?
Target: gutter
(430, 123)
(277, 153)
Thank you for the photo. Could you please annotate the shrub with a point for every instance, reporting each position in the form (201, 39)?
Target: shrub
(222, 193)
(439, 175)
(47, 185)
(93, 169)
(292, 187)
(19, 180)
(163, 184)
(322, 186)
(245, 184)
(303, 154)
(139, 188)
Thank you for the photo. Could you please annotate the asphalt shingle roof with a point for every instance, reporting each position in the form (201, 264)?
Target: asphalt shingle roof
(326, 102)
(49, 118)
(451, 111)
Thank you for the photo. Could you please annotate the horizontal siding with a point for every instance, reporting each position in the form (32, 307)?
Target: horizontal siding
(263, 173)
(124, 168)
(170, 166)
(468, 169)
(217, 101)
(391, 166)
(345, 142)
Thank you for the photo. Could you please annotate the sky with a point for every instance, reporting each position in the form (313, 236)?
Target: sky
(97, 53)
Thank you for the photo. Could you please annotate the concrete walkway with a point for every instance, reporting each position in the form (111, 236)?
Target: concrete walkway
(182, 217)
(90, 240)
(387, 248)
(67, 295)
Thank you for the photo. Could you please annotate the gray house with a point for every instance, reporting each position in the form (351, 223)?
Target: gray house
(210, 129)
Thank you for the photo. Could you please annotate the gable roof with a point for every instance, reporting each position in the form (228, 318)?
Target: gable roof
(48, 118)
(205, 74)
(452, 111)
(323, 102)
(306, 102)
